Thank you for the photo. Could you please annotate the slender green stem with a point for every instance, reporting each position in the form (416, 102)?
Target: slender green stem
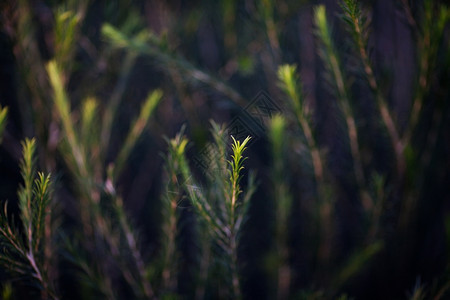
(111, 108)
(353, 16)
(283, 204)
(330, 57)
(143, 46)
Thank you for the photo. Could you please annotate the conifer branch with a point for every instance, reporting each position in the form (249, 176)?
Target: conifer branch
(334, 68)
(428, 45)
(283, 205)
(146, 43)
(93, 219)
(131, 242)
(114, 101)
(62, 104)
(358, 27)
(223, 231)
(136, 130)
(290, 84)
(25, 255)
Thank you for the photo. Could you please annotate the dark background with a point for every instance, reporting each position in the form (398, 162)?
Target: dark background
(235, 47)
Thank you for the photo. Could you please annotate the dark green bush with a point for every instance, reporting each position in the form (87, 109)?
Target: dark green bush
(328, 179)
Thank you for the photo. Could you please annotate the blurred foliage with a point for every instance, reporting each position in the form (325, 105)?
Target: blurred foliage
(339, 109)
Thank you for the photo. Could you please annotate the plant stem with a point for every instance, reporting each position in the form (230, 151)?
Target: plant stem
(113, 104)
(315, 154)
(234, 268)
(354, 14)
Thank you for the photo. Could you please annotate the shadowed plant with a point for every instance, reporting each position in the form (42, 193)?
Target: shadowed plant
(222, 205)
(3, 120)
(24, 254)
(97, 194)
(340, 89)
(354, 168)
(283, 206)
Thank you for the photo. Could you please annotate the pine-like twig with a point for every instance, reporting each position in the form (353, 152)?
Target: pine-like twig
(358, 27)
(291, 85)
(429, 39)
(94, 219)
(24, 253)
(340, 89)
(147, 44)
(223, 209)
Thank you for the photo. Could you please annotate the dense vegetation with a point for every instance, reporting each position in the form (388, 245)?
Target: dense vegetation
(224, 149)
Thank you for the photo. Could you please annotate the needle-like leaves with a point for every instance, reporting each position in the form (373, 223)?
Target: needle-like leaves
(136, 130)
(24, 255)
(221, 207)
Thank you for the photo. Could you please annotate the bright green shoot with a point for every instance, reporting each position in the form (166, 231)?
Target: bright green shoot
(137, 129)
(355, 20)
(331, 58)
(236, 164)
(290, 84)
(222, 205)
(62, 104)
(27, 169)
(339, 84)
(34, 196)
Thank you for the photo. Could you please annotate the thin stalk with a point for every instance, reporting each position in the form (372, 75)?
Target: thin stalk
(33, 203)
(233, 244)
(31, 64)
(3, 120)
(62, 104)
(94, 223)
(224, 232)
(10, 236)
(380, 195)
(234, 268)
(429, 39)
(205, 261)
(186, 101)
(315, 154)
(235, 176)
(268, 7)
(434, 23)
(143, 46)
(330, 57)
(132, 245)
(170, 228)
(283, 204)
(290, 83)
(46, 292)
(168, 272)
(136, 131)
(353, 17)
(409, 15)
(421, 90)
(111, 109)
